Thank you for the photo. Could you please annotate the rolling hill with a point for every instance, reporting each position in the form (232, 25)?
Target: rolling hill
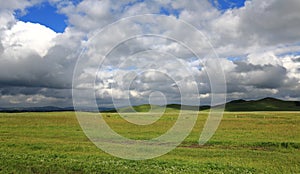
(265, 104)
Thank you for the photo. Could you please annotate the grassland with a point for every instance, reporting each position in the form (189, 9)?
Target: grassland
(245, 142)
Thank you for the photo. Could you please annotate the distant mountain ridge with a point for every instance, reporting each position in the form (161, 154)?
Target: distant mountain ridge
(265, 104)
(37, 109)
(148, 107)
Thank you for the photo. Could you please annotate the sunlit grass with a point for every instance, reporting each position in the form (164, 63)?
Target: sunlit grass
(245, 142)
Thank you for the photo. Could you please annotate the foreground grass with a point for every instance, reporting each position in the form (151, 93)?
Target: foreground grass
(246, 142)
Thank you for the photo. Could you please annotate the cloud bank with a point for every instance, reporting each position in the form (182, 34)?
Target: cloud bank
(258, 44)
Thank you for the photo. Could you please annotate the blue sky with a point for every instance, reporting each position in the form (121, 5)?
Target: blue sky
(48, 15)
(227, 4)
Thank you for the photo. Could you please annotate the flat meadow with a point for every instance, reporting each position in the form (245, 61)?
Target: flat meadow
(245, 142)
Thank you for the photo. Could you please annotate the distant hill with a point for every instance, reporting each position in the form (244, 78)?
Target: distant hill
(50, 109)
(36, 109)
(148, 107)
(265, 104)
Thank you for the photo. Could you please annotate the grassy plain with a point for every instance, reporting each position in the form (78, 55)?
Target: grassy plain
(245, 142)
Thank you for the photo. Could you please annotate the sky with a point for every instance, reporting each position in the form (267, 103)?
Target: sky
(44, 14)
(256, 42)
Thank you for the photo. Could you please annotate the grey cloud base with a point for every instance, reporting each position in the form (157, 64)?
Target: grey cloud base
(258, 44)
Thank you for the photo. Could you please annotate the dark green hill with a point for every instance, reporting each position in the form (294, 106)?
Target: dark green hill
(266, 104)
(148, 107)
(140, 108)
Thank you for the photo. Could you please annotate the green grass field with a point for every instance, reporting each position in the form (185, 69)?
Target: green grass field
(245, 142)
